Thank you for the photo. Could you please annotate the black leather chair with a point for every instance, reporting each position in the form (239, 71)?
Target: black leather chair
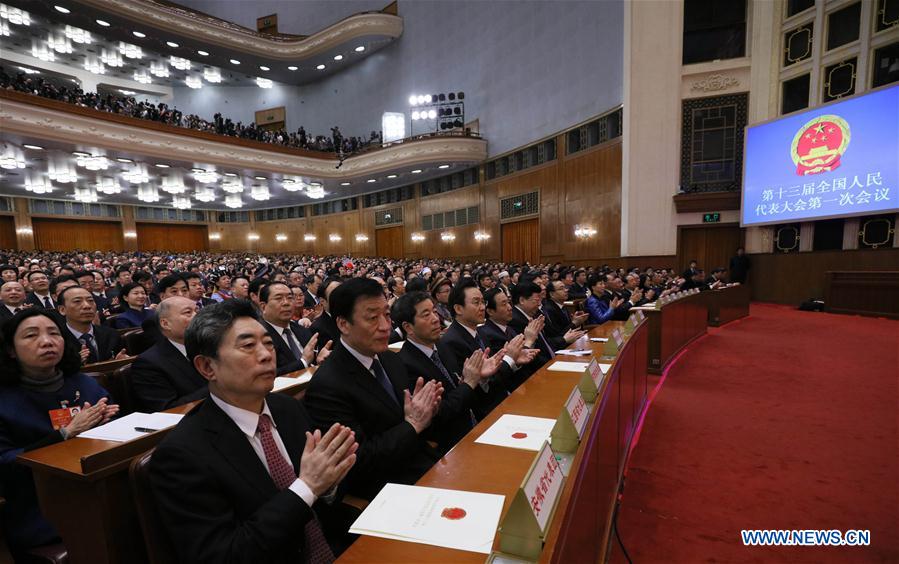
(156, 540)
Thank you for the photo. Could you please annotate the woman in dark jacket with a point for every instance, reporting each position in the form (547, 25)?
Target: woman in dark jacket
(39, 380)
(134, 298)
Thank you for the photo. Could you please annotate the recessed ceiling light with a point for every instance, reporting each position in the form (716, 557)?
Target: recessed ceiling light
(35, 147)
(443, 166)
(124, 160)
(62, 10)
(162, 165)
(138, 34)
(81, 154)
(234, 61)
(292, 68)
(259, 177)
(416, 171)
(103, 23)
(320, 67)
(370, 180)
(391, 176)
(127, 92)
(231, 174)
(338, 57)
(204, 53)
(344, 183)
(360, 48)
(172, 44)
(263, 67)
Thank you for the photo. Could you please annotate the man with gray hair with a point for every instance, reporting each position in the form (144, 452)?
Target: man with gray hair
(163, 377)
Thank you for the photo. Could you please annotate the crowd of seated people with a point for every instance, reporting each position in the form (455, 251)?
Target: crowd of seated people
(219, 327)
(161, 112)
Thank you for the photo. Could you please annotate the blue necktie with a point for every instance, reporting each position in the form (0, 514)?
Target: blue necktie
(88, 341)
(382, 379)
(435, 358)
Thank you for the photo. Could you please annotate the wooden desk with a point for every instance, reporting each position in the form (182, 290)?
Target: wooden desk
(672, 327)
(862, 293)
(83, 489)
(727, 304)
(580, 529)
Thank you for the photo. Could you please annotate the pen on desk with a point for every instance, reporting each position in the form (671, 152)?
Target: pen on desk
(145, 430)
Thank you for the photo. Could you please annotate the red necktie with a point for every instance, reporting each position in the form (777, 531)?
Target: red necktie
(317, 549)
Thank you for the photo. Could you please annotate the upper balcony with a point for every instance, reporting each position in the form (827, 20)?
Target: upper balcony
(170, 30)
(60, 129)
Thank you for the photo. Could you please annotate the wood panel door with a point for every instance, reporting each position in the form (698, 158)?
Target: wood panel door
(389, 242)
(711, 246)
(7, 232)
(521, 241)
(168, 237)
(69, 235)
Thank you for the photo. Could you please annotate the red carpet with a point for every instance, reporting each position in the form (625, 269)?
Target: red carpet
(783, 420)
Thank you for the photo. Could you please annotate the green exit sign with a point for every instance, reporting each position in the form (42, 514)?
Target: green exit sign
(711, 217)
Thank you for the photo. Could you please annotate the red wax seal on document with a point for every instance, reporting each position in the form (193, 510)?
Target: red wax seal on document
(453, 513)
(519, 435)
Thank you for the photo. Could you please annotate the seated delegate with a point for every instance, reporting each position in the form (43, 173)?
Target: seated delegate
(44, 399)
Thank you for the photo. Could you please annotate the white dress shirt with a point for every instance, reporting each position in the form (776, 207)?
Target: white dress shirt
(247, 422)
(283, 332)
(507, 359)
(365, 361)
(78, 333)
(181, 348)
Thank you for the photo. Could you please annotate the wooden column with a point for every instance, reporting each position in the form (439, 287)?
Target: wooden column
(24, 228)
(129, 228)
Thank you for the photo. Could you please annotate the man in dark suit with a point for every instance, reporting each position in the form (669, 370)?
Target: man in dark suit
(415, 312)
(691, 271)
(237, 478)
(40, 295)
(527, 308)
(162, 377)
(614, 287)
(294, 344)
(325, 326)
(496, 333)
(461, 340)
(365, 387)
(12, 294)
(558, 318)
(196, 291)
(97, 343)
(578, 289)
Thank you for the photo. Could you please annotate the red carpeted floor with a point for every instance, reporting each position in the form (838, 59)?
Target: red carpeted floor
(782, 420)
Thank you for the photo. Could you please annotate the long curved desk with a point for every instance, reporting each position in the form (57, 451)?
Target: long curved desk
(580, 527)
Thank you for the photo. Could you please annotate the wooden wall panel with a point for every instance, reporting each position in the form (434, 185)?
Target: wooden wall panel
(710, 245)
(521, 241)
(71, 234)
(792, 278)
(389, 242)
(168, 237)
(7, 232)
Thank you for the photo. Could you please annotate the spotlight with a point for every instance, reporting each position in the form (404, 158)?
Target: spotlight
(432, 114)
(451, 96)
(416, 115)
(441, 97)
(457, 110)
(460, 95)
(413, 100)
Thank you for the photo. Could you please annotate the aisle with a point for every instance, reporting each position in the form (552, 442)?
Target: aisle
(784, 420)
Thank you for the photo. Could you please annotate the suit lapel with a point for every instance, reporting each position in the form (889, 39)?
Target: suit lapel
(178, 363)
(367, 380)
(292, 436)
(235, 449)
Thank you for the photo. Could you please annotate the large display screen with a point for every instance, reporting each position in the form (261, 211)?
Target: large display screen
(837, 160)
